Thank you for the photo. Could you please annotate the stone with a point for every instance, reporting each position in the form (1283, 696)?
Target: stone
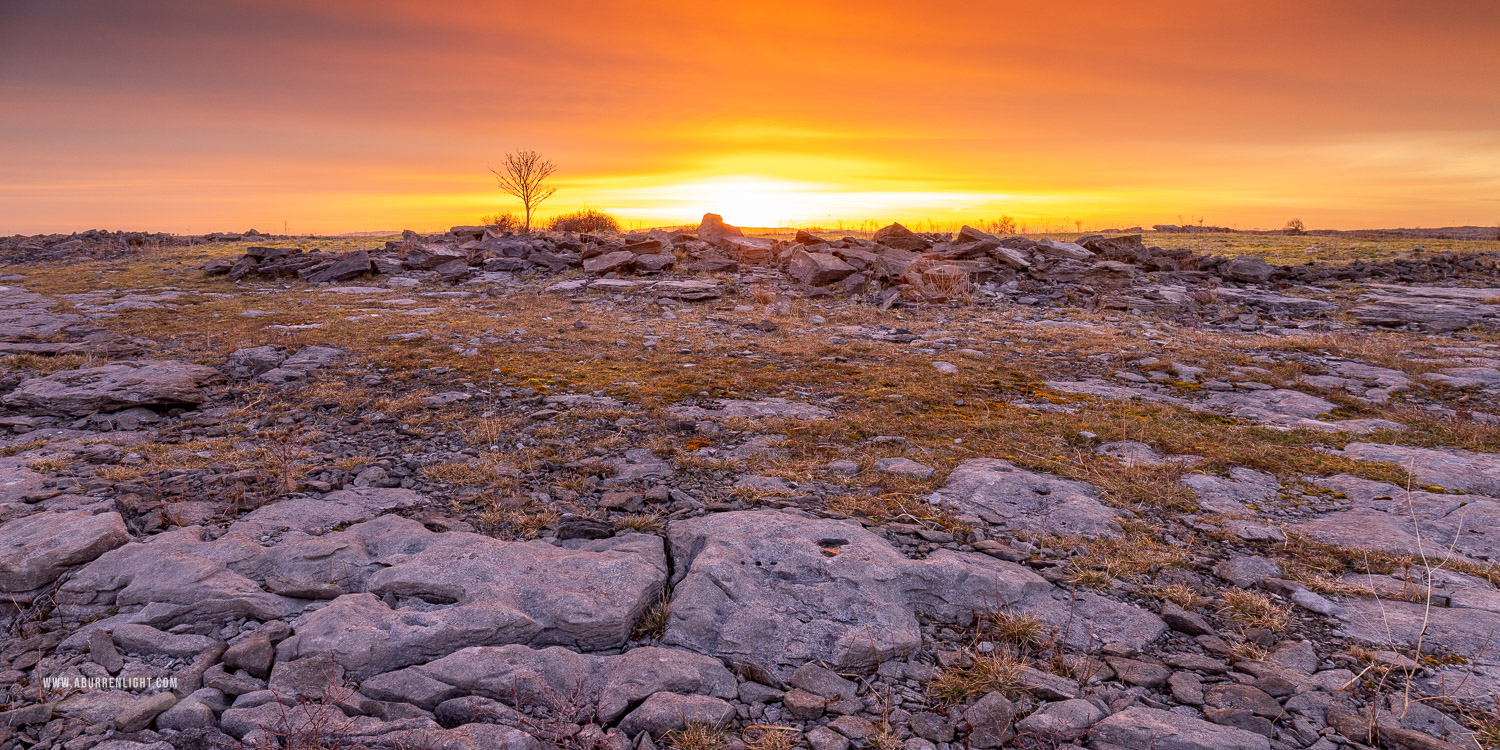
(822, 682)
(803, 705)
(113, 387)
(254, 654)
(102, 651)
(1003, 494)
(817, 269)
(140, 714)
(1242, 698)
(778, 590)
(466, 589)
(1449, 469)
(712, 229)
(36, 549)
(1245, 571)
(665, 712)
(317, 515)
(1251, 269)
(991, 721)
(1186, 688)
(1183, 621)
(310, 678)
(933, 727)
(901, 238)
(1141, 727)
(903, 467)
(823, 738)
(146, 640)
(187, 715)
(1137, 672)
(1061, 721)
(347, 266)
(615, 261)
(1085, 619)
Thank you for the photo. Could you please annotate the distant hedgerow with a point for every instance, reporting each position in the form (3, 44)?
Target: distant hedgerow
(585, 221)
(506, 222)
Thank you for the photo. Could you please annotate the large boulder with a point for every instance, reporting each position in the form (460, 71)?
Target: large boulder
(778, 590)
(36, 549)
(1249, 269)
(113, 387)
(713, 229)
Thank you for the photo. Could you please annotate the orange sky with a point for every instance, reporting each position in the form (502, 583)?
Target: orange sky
(332, 116)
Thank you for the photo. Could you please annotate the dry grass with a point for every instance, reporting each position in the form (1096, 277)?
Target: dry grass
(480, 472)
(694, 737)
(997, 672)
(644, 523)
(900, 508)
(653, 623)
(770, 737)
(1256, 610)
(1180, 594)
(1020, 630)
(37, 364)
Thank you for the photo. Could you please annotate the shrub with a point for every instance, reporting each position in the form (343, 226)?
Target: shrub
(585, 221)
(506, 222)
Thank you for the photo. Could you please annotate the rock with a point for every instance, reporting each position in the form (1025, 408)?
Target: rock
(712, 229)
(1449, 469)
(901, 238)
(1137, 672)
(140, 714)
(112, 387)
(487, 592)
(1245, 571)
(615, 261)
(822, 682)
(582, 527)
(933, 727)
(254, 654)
(146, 640)
(991, 721)
(903, 467)
(1142, 727)
(1014, 498)
(664, 712)
(36, 549)
(1186, 688)
(1251, 269)
(1062, 721)
(778, 590)
(317, 515)
(1243, 698)
(187, 715)
(803, 705)
(348, 266)
(102, 651)
(823, 738)
(817, 269)
(771, 408)
(1184, 621)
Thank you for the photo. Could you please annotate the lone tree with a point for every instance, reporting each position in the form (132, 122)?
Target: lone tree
(525, 175)
(1295, 226)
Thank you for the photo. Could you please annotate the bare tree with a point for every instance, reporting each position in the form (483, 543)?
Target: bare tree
(525, 175)
(1295, 226)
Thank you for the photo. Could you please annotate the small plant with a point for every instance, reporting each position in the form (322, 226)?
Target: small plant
(585, 221)
(997, 672)
(1256, 610)
(770, 737)
(1020, 630)
(503, 222)
(645, 523)
(695, 736)
(1178, 593)
(653, 623)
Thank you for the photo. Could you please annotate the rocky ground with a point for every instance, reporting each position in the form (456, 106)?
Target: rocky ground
(701, 490)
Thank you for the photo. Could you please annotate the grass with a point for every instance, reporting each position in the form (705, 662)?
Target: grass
(695, 736)
(1256, 610)
(987, 673)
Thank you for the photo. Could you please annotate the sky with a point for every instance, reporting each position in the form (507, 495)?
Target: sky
(344, 115)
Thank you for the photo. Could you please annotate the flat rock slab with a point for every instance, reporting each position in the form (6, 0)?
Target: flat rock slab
(311, 516)
(1469, 633)
(1005, 495)
(1385, 516)
(1086, 620)
(411, 595)
(112, 387)
(771, 408)
(1448, 469)
(1234, 494)
(36, 549)
(524, 677)
(778, 590)
(1141, 727)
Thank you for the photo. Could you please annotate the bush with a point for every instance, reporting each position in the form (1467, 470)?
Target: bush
(586, 221)
(506, 222)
